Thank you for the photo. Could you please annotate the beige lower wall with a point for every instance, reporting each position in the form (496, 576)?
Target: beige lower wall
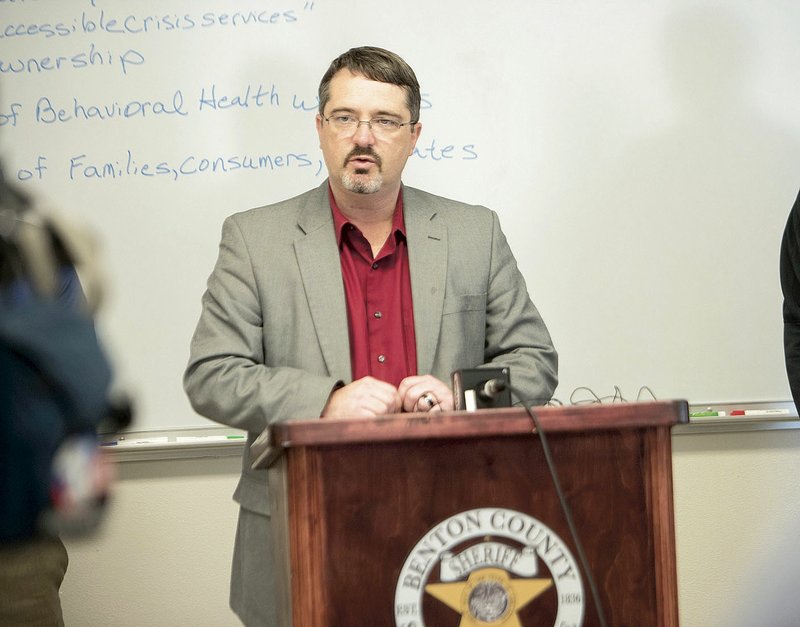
(163, 555)
(737, 527)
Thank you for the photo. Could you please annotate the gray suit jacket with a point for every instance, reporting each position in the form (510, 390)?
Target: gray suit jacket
(272, 339)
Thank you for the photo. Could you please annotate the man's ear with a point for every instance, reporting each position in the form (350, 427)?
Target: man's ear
(417, 132)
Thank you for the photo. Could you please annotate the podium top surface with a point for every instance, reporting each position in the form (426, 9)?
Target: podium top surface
(481, 423)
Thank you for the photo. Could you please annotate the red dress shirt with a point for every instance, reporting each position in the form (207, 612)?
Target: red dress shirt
(380, 312)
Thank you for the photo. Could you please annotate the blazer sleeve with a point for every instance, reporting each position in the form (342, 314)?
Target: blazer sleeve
(516, 335)
(229, 378)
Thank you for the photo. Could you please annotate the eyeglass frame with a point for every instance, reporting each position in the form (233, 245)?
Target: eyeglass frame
(411, 123)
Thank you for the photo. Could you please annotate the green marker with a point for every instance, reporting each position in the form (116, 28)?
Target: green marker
(706, 414)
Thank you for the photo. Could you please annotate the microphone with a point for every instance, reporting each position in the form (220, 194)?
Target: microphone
(481, 388)
(491, 390)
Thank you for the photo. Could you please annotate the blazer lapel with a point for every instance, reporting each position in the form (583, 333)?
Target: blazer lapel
(427, 254)
(318, 259)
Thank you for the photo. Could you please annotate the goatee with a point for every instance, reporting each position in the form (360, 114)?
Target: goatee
(354, 183)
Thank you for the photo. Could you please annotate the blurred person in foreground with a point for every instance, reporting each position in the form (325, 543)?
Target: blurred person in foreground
(53, 398)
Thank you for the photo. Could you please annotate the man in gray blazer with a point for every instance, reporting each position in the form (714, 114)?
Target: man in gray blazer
(354, 299)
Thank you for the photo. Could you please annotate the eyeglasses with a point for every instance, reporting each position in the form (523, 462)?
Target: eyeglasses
(381, 127)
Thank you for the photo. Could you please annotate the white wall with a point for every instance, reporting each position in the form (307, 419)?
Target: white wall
(164, 554)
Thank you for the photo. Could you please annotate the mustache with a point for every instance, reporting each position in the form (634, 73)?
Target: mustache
(360, 151)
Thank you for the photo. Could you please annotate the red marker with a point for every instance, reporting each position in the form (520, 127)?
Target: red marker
(760, 412)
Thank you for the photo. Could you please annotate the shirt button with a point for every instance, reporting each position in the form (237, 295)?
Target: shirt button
(381, 358)
(378, 314)
(375, 266)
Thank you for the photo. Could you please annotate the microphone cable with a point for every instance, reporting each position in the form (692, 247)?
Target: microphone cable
(598, 606)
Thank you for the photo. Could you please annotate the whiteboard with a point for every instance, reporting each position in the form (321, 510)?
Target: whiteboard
(642, 157)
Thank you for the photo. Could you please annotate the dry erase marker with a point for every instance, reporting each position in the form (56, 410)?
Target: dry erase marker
(208, 438)
(760, 412)
(139, 441)
(706, 414)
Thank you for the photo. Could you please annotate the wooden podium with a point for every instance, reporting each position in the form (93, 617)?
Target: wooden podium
(452, 519)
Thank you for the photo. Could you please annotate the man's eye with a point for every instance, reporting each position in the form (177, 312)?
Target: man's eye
(344, 119)
(384, 123)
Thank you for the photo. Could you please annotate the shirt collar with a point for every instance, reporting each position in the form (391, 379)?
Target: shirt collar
(340, 220)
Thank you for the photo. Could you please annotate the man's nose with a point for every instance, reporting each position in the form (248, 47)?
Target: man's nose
(363, 134)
